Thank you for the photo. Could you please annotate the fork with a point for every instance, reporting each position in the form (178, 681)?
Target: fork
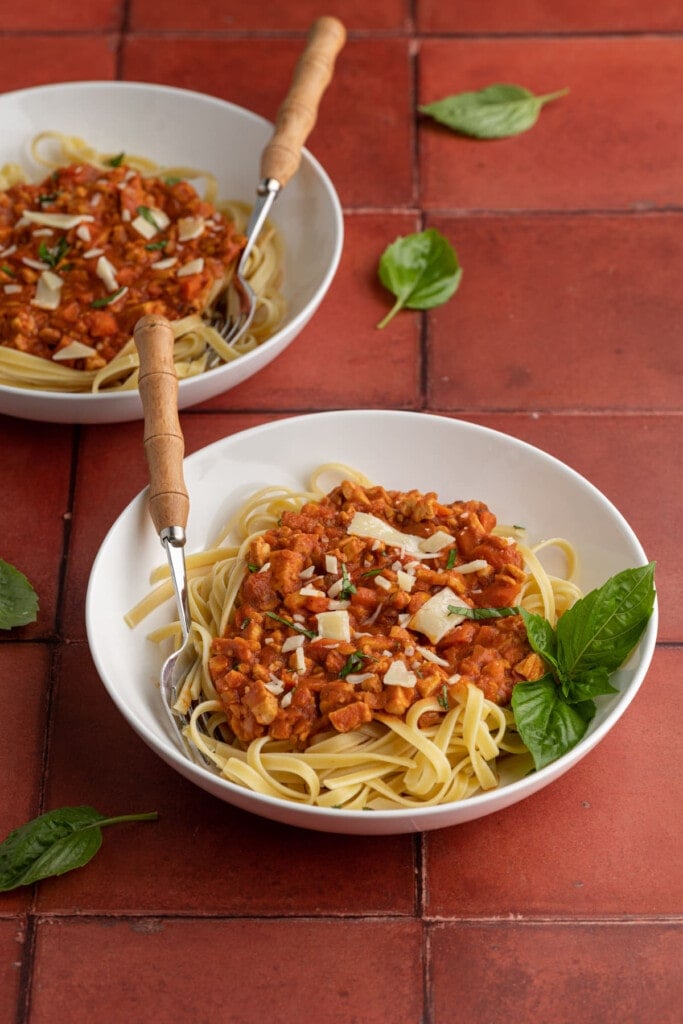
(279, 163)
(168, 500)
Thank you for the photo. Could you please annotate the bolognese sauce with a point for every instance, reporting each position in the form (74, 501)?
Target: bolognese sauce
(87, 252)
(358, 605)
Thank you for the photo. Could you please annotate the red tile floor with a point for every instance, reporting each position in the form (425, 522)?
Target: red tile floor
(564, 909)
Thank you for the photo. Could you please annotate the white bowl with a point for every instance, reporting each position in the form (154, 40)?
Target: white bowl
(400, 450)
(175, 126)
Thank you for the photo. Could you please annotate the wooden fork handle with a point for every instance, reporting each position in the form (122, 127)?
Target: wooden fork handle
(169, 503)
(297, 115)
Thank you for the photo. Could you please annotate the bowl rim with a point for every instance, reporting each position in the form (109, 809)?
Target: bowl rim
(103, 398)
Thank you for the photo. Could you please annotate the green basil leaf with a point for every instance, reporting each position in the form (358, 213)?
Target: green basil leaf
(18, 599)
(496, 112)
(54, 843)
(354, 663)
(115, 161)
(421, 270)
(602, 628)
(348, 588)
(541, 636)
(482, 613)
(147, 214)
(548, 725)
(593, 683)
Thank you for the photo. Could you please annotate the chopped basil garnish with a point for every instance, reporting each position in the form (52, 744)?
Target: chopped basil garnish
(482, 613)
(452, 555)
(354, 663)
(48, 197)
(348, 587)
(443, 698)
(108, 299)
(8, 270)
(310, 633)
(157, 245)
(372, 572)
(53, 255)
(145, 212)
(115, 161)
(172, 179)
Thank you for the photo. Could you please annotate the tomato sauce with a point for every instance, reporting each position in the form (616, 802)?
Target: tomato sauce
(280, 670)
(132, 245)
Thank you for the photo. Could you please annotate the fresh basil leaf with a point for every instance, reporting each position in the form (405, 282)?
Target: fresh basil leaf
(18, 599)
(496, 112)
(421, 270)
(348, 588)
(592, 683)
(354, 663)
(548, 725)
(482, 613)
(115, 161)
(54, 254)
(541, 636)
(54, 843)
(602, 628)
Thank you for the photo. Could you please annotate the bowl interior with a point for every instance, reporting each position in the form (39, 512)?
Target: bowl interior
(179, 128)
(458, 460)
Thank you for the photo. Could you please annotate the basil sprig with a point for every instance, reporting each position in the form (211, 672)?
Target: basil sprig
(482, 613)
(421, 270)
(592, 639)
(55, 843)
(496, 112)
(18, 599)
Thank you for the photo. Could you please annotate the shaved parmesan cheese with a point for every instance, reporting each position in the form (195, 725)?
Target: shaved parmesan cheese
(92, 253)
(334, 625)
(143, 227)
(34, 264)
(398, 675)
(331, 564)
(335, 589)
(292, 642)
(107, 274)
(306, 573)
(437, 542)
(433, 618)
(310, 591)
(286, 700)
(74, 350)
(476, 566)
(275, 685)
(189, 228)
(83, 232)
(431, 656)
(383, 582)
(299, 660)
(358, 677)
(364, 524)
(8, 251)
(193, 267)
(43, 233)
(48, 291)
(165, 264)
(57, 220)
(406, 580)
(11, 289)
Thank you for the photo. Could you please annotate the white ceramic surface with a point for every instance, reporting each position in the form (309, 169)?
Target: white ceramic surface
(400, 450)
(177, 127)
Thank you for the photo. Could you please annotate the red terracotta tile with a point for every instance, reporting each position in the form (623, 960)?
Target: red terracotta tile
(601, 840)
(499, 17)
(24, 674)
(362, 119)
(556, 973)
(32, 528)
(232, 16)
(337, 971)
(63, 15)
(557, 317)
(341, 360)
(28, 60)
(201, 856)
(590, 150)
(11, 955)
(630, 460)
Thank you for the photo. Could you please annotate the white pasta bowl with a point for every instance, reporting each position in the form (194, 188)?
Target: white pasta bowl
(400, 450)
(177, 127)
